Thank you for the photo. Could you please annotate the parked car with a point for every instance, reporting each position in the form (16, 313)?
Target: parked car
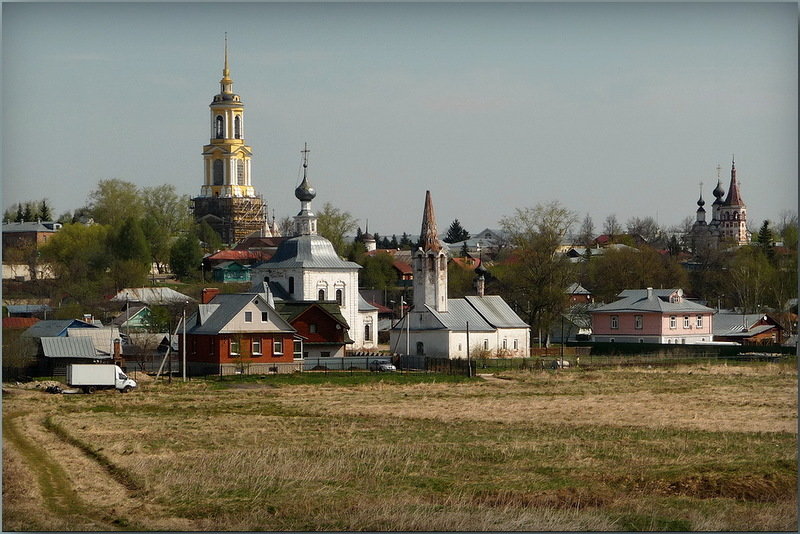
(382, 366)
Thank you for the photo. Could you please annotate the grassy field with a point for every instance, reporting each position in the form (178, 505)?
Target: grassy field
(709, 447)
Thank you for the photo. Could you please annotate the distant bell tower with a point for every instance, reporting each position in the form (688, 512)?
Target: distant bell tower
(430, 264)
(227, 200)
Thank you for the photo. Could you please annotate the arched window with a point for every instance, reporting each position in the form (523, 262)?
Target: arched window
(219, 128)
(339, 297)
(442, 262)
(219, 172)
(237, 127)
(321, 294)
(240, 172)
(291, 284)
(367, 333)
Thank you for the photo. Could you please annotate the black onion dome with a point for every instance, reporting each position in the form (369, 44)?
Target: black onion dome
(701, 202)
(304, 192)
(718, 191)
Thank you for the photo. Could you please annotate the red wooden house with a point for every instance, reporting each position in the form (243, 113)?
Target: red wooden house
(240, 333)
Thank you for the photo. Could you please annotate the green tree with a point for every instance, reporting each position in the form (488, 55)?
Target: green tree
(186, 256)
(750, 277)
(378, 272)
(114, 201)
(20, 213)
(45, 213)
(131, 257)
(765, 240)
(456, 233)
(79, 257)
(333, 224)
(460, 281)
(630, 268)
(29, 214)
(535, 282)
(405, 242)
(210, 239)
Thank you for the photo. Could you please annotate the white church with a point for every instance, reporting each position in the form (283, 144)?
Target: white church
(438, 326)
(307, 268)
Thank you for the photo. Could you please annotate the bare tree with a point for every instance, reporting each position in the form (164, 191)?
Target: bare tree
(611, 226)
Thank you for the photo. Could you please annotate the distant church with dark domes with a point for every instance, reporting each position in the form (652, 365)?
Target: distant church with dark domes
(728, 223)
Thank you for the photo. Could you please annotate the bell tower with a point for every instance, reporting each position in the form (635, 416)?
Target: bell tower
(226, 158)
(227, 200)
(430, 264)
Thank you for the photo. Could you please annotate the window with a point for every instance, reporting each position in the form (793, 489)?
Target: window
(219, 128)
(240, 172)
(339, 297)
(686, 322)
(277, 347)
(485, 344)
(237, 127)
(505, 344)
(219, 172)
(673, 321)
(325, 354)
(298, 349)
(248, 317)
(312, 328)
(420, 348)
(614, 322)
(291, 284)
(234, 347)
(367, 333)
(256, 347)
(321, 295)
(637, 322)
(699, 322)
(264, 317)
(516, 344)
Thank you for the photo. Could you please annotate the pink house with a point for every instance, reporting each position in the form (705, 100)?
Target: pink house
(650, 315)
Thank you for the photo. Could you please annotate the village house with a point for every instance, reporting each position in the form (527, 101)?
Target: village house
(747, 329)
(240, 333)
(662, 316)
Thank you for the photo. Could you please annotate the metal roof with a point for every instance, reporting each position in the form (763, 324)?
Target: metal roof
(216, 315)
(55, 327)
(496, 311)
(70, 347)
(458, 314)
(28, 308)
(151, 295)
(101, 338)
(310, 252)
(364, 306)
(130, 313)
(657, 300)
(727, 323)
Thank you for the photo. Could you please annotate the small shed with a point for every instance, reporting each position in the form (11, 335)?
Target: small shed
(231, 271)
(58, 352)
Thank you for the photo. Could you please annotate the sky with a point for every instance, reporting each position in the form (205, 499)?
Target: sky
(617, 109)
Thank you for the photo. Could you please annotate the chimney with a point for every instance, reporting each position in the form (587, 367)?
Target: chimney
(208, 294)
(481, 285)
(649, 293)
(117, 350)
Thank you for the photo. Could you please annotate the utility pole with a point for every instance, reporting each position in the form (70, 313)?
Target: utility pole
(469, 361)
(184, 341)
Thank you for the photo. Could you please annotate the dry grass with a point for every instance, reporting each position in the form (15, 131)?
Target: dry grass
(694, 448)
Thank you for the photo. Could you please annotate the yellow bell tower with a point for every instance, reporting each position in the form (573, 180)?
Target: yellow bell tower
(227, 157)
(227, 199)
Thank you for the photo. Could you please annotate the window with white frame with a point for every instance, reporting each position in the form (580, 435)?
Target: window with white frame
(298, 349)
(614, 322)
(256, 347)
(234, 347)
(686, 322)
(673, 321)
(637, 322)
(516, 344)
(699, 322)
(277, 347)
(485, 344)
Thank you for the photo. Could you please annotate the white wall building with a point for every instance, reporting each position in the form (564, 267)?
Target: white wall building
(438, 326)
(306, 267)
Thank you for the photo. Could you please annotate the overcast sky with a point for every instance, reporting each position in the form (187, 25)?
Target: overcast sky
(620, 108)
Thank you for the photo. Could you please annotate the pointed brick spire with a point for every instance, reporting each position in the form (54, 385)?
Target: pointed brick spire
(734, 198)
(429, 236)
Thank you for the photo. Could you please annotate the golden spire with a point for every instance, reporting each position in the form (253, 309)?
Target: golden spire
(226, 83)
